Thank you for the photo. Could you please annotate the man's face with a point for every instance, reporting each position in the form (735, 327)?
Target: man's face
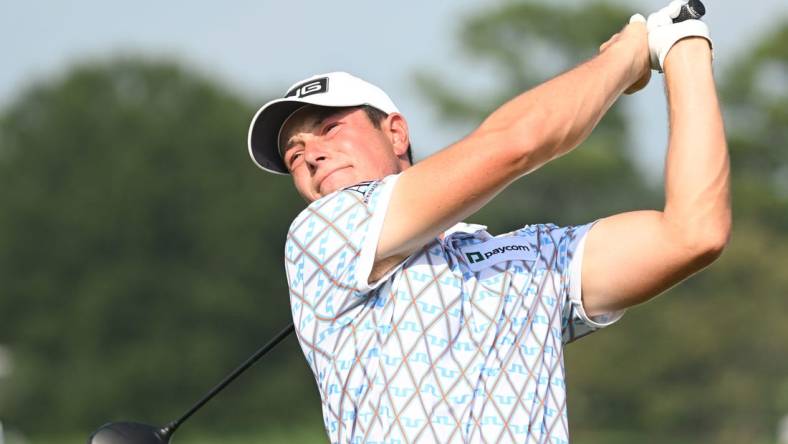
(326, 149)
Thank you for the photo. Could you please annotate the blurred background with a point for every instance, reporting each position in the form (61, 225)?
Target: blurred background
(141, 250)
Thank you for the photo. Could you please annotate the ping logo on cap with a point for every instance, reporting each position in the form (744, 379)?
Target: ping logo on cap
(308, 88)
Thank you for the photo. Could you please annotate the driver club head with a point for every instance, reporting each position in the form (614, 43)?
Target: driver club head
(136, 433)
(129, 433)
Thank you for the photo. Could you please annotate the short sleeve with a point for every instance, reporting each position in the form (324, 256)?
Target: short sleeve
(330, 250)
(576, 323)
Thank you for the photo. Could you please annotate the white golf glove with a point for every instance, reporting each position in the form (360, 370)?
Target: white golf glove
(663, 33)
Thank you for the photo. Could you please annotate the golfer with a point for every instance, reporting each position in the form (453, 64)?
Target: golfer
(421, 328)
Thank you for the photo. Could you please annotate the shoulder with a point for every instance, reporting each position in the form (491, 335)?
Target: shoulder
(553, 243)
(342, 212)
(327, 207)
(363, 190)
(549, 233)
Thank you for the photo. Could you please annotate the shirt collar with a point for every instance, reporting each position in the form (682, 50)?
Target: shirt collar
(462, 227)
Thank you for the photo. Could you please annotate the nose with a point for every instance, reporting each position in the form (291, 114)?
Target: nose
(314, 153)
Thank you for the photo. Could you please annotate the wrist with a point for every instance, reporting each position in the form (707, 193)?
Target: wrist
(688, 51)
(632, 57)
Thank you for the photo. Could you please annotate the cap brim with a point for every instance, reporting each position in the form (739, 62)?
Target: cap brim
(264, 130)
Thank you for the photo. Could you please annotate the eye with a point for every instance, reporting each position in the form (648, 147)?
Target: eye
(331, 127)
(293, 158)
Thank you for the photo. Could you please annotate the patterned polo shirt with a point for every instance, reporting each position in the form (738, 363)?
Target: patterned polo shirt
(462, 342)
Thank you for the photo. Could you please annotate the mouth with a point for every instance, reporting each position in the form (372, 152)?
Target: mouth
(322, 180)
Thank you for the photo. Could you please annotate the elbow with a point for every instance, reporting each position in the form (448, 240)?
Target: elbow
(531, 146)
(710, 250)
(709, 241)
(521, 141)
(511, 154)
(700, 229)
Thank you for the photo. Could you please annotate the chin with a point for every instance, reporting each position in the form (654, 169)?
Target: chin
(333, 187)
(337, 181)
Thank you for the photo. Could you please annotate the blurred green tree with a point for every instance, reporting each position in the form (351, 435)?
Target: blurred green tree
(706, 362)
(140, 251)
(140, 254)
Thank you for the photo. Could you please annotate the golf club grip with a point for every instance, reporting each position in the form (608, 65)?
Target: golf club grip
(170, 428)
(694, 9)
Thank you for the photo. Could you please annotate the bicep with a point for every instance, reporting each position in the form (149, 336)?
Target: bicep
(630, 258)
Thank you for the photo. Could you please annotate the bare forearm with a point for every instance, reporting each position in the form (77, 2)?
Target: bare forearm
(556, 116)
(520, 136)
(697, 198)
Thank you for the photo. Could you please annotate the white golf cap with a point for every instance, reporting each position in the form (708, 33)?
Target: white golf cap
(334, 89)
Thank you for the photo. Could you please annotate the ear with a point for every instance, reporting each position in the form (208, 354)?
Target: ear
(397, 130)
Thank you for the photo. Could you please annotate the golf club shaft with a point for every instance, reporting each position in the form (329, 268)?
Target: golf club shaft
(171, 427)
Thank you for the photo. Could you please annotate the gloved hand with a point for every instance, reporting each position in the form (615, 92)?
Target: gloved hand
(663, 33)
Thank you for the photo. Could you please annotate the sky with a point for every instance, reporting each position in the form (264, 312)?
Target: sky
(258, 48)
